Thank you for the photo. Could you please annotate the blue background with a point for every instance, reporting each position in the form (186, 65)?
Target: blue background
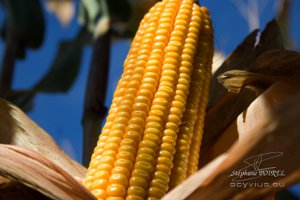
(60, 114)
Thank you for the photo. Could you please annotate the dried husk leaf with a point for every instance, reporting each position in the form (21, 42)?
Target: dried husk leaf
(278, 62)
(17, 129)
(235, 80)
(272, 66)
(234, 61)
(41, 174)
(223, 113)
(259, 109)
(225, 106)
(245, 55)
(277, 133)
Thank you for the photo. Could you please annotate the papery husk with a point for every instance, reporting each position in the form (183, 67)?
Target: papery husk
(39, 173)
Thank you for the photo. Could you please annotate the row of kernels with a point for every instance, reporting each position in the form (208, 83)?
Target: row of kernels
(164, 162)
(195, 145)
(145, 159)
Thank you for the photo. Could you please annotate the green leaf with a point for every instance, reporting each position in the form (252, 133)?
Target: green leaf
(94, 16)
(25, 22)
(64, 69)
(97, 15)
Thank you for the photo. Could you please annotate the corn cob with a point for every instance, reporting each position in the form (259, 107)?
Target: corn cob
(158, 107)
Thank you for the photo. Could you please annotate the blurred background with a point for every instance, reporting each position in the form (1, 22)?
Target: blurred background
(61, 59)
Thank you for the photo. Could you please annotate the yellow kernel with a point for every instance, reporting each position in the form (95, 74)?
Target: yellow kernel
(144, 166)
(163, 168)
(152, 137)
(105, 166)
(118, 179)
(162, 176)
(174, 118)
(169, 140)
(138, 113)
(156, 125)
(116, 190)
(135, 190)
(171, 133)
(115, 198)
(124, 163)
(125, 155)
(99, 193)
(141, 106)
(156, 192)
(128, 142)
(107, 159)
(135, 127)
(121, 170)
(149, 144)
(172, 126)
(127, 148)
(137, 120)
(160, 184)
(168, 147)
(165, 153)
(154, 119)
(141, 173)
(110, 153)
(152, 198)
(99, 184)
(134, 197)
(111, 146)
(134, 135)
(165, 161)
(145, 157)
(145, 150)
(101, 174)
(116, 133)
(138, 181)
